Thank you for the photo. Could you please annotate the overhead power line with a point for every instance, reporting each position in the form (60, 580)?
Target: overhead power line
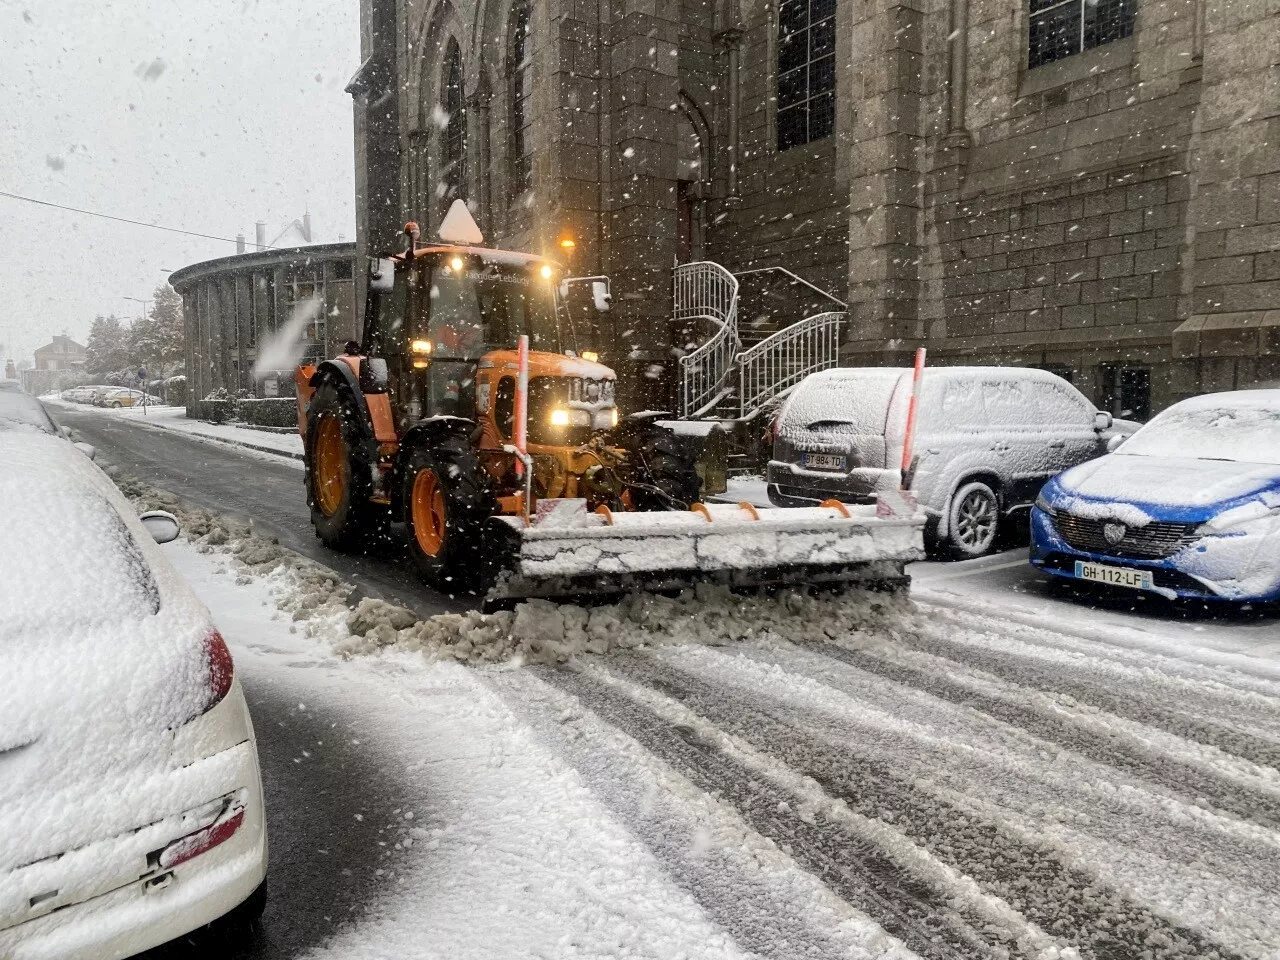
(136, 223)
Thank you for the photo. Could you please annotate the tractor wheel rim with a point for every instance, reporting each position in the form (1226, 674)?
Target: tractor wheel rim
(976, 520)
(330, 480)
(428, 513)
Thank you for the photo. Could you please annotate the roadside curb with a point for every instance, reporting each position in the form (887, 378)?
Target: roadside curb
(237, 443)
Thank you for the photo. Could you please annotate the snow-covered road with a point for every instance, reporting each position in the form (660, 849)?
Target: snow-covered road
(853, 777)
(988, 770)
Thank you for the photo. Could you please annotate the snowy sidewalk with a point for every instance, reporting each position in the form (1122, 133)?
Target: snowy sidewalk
(175, 418)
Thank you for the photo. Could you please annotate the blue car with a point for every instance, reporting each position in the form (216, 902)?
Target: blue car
(1189, 506)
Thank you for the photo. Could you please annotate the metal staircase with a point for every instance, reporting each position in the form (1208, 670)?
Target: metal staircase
(722, 380)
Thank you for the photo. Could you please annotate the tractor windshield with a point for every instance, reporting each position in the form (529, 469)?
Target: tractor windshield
(488, 306)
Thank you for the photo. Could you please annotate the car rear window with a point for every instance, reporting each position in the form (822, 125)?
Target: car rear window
(1247, 434)
(854, 404)
(69, 563)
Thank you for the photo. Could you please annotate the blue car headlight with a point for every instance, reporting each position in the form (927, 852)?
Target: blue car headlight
(1254, 517)
(1043, 504)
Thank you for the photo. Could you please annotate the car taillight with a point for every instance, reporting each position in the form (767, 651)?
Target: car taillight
(202, 841)
(221, 669)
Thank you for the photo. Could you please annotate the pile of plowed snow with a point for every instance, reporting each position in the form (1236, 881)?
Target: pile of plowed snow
(303, 589)
(537, 631)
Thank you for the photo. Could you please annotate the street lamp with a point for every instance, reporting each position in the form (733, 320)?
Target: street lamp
(144, 303)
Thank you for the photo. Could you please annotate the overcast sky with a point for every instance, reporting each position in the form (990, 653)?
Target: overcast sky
(187, 113)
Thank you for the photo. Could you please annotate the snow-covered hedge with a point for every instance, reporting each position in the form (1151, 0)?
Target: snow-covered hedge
(269, 411)
(221, 406)
(215, 409)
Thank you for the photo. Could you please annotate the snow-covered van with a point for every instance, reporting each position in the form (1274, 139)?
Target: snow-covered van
(987, 438)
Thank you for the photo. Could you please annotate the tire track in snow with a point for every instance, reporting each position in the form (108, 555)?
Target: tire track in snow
(1132, 704)
(1185, 862)
(1063, 900)
(855, 870)
(750, 889)
(1183, 779)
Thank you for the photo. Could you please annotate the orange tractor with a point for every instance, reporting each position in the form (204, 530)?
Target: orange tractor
(475, 412)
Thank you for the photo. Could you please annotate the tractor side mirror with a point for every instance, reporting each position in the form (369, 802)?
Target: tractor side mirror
(601, 296)
(382, 275)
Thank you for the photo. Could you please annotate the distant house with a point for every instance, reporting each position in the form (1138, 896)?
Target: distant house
(62, 354)
(296, 234)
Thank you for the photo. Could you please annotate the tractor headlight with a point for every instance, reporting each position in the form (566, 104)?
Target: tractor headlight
(420, 347)
(569, 417)
(613, 417)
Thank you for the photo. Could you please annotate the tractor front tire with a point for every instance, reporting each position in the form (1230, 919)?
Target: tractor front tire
(446, 500)
(663, 474)
(337, 472)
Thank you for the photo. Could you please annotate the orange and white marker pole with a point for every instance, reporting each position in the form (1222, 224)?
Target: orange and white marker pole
(520, 429)
(908, 438)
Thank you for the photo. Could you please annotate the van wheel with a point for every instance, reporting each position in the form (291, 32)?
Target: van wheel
(974, 521)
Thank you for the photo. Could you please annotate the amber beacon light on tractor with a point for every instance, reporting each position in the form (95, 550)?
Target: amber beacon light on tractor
(476, 412)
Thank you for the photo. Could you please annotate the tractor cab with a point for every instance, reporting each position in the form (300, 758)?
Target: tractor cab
(446, 319)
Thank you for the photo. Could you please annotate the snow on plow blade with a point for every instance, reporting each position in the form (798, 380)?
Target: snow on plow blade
(573, 553)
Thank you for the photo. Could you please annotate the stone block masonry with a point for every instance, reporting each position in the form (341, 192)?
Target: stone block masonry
(1112, 214)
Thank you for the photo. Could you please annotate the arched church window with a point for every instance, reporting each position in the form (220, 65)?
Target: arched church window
(521, 92)
(806, 71)
(453, 102)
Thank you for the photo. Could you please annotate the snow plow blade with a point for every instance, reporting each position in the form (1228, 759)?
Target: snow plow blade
(570, 552)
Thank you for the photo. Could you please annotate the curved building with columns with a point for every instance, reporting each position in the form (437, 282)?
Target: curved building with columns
(235, 305)
(1090, 186)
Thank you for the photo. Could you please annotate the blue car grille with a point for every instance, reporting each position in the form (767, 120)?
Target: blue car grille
(1155, 541)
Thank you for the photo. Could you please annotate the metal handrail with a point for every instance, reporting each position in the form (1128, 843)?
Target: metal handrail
(796, 279)
(706, 291)
(776, 364)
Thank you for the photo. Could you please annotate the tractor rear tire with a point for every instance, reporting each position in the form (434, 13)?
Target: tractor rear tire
(337, 472)
(663, 476)
(446, 498)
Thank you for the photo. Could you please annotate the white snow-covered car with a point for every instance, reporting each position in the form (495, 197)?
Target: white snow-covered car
(987, 438)
(131, 805)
